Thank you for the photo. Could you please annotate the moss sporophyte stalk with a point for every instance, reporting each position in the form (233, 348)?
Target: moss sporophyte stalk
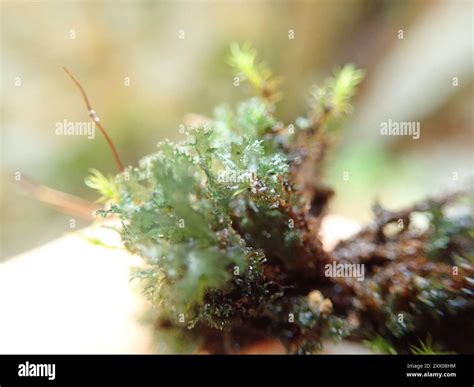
(227, 224)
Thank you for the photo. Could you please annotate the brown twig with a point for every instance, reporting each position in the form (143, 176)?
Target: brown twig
(96, 120)
(384, 216)
(65, 203)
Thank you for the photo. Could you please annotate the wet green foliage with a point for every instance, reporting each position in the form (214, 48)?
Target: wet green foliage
(227, 222)
(217, 223)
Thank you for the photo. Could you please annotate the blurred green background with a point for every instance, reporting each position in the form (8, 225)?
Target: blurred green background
(103, 43)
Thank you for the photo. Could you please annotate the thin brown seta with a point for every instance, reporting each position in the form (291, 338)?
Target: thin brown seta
(96, 120)
(63, 202)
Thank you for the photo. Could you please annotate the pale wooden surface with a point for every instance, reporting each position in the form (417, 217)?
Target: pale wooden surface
(70, 296)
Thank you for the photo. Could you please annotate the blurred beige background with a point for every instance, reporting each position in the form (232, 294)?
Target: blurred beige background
(103, 43)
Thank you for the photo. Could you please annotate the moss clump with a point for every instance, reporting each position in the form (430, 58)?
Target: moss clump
(227, 225)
